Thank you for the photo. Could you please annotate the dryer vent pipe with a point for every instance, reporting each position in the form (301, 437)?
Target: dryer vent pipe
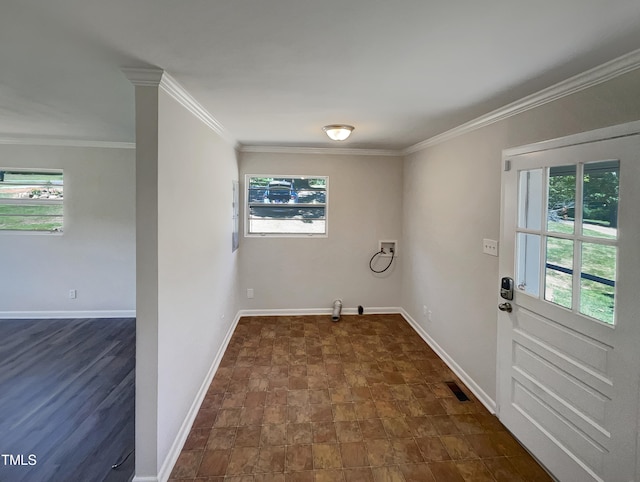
(337, 309)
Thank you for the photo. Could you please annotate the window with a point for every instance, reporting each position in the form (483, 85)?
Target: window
(286, 205)
(31, 200)
(570, 259)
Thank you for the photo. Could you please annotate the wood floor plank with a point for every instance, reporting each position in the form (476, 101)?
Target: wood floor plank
(67, 391)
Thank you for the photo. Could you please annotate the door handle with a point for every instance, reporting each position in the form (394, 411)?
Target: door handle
(505, 307)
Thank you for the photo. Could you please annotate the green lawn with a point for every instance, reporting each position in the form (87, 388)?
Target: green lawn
(589, 229)
(596, 299)
(31, 218)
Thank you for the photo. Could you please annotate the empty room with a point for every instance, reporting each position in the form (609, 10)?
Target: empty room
(294, 241)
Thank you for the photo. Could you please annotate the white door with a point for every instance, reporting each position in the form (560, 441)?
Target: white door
(569, 352)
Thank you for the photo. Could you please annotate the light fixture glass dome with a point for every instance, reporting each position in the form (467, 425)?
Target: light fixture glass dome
(338, 132)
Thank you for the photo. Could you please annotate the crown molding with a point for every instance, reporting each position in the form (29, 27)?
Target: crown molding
(338, 151)
(577, 83)
(59, 142)
(160, 78)
(143, 77)
(184, 98)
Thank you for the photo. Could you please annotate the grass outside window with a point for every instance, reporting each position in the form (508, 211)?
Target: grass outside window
(597, 276)
(31, 200)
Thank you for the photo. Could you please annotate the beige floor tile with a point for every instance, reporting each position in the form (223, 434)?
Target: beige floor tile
(326, 456)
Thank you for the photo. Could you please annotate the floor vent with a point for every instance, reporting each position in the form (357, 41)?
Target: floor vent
(457, 391)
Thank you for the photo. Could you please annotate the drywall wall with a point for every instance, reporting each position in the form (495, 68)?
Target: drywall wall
(452, 201)
(197, 273)
(96, 253)
(365, 205)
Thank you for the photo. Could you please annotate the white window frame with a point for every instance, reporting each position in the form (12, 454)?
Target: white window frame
(246, 187)
(34, 202)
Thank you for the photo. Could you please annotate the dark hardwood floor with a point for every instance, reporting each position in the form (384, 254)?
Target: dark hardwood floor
(67, 392)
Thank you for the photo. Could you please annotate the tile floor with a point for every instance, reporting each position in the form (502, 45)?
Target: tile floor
(304, 399)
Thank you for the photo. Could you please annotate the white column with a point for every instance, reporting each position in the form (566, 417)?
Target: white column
(146, 101)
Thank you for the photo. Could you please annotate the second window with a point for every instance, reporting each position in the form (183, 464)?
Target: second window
(286, 205)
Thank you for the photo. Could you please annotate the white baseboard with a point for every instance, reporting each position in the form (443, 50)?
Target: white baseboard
(479, 393)
(21, 315)
(185, 428)
(318, 311)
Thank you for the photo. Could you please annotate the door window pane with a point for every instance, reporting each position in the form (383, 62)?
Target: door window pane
(528, 264)
(600, 199)
(597, 284)
(597, 300)
(560, 252)
(568, 265)
(530, 199)
(559, 271)
(599, 260)
(561, 197)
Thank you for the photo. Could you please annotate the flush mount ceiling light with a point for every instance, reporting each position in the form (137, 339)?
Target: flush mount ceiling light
(338, 132)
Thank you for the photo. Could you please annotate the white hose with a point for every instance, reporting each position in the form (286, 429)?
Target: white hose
(337, 308)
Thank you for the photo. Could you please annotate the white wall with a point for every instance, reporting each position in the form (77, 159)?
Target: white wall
(96, 253)
(196, 268)
(452, 202)
(365, 205)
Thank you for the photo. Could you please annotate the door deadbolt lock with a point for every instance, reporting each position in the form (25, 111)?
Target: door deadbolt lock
(505, 307)
(506, 288)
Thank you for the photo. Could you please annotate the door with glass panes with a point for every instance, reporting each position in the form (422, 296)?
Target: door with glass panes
(569, 351)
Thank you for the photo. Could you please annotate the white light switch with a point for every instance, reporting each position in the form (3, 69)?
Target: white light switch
(490, 246)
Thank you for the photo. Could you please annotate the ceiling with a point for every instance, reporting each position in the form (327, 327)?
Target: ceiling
(274, 72)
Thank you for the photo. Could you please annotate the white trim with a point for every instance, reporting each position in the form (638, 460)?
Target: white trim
(160, 78)
(612, 132)
(480, 394)
(185, 428)
(22, 315)
(143, 77)
(186, 100)
(319, 311)
(577, 83)
(60, 142)
(287, 235)
(338, 151)
(144, 479)
(18, 232)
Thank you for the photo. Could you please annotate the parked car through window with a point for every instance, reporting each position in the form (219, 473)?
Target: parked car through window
(287, 205)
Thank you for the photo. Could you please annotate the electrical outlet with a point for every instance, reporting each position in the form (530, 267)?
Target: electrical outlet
(73, 294)
(490, 246)
(250, 293)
